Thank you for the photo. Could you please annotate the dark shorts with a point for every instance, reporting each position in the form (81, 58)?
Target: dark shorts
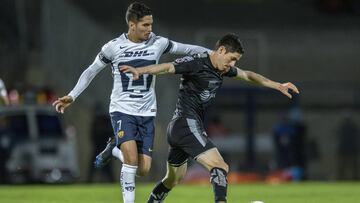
(187, 138)
(139, 128)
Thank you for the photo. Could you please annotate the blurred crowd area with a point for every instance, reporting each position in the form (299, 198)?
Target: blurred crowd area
(262, 135)
(28, 95)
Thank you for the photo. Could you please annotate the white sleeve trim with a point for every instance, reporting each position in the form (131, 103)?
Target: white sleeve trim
(86, 77)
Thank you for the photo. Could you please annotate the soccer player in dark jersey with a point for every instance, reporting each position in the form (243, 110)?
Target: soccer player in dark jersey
(202, 76)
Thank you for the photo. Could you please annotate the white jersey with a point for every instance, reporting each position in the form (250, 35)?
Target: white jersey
(134, 97)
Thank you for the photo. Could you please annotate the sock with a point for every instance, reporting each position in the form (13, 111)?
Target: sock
(116, 152)
(219, 182)
(127, 181)
(159, 193)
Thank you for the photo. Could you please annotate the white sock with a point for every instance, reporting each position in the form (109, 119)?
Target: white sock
(127, 181)
(116, 152)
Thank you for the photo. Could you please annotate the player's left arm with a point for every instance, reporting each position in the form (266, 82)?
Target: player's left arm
(257, 79)
(186, 49)
(184, 65)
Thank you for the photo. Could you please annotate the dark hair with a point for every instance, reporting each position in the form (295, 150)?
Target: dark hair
(136, 11)
(231, 42)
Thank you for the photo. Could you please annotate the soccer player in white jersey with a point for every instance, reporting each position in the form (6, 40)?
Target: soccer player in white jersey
(133, 103)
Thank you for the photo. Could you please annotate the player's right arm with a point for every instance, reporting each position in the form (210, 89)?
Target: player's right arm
(86, 77)
(100, 62)
(162, 68)
(185, 65)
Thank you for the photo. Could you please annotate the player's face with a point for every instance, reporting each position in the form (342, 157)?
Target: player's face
(143, 28)
(227, 59)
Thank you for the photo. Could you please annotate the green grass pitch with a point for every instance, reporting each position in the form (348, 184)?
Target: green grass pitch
(325, 192)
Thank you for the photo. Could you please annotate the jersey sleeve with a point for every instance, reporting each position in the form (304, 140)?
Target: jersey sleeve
(170, 46)
(106, 54)
(86, 77)
(187, 49)
(164, 44)
(232, 72)
(186, 65)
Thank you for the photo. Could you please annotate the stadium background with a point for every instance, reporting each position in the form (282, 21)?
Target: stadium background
(313, 43)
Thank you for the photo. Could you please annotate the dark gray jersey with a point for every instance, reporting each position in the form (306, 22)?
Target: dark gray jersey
(199, 84)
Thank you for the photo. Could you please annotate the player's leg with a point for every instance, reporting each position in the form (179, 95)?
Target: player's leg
(144, 161)
(144, 164)
(176, 170)
(130, 152)
(145, 143)
(174, 175)
(198, 146)
(177, 163)
(144, 147)
(128, 170)
(213, 161)
(125, 129)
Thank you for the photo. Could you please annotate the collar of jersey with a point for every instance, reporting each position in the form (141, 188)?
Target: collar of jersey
(143, 42)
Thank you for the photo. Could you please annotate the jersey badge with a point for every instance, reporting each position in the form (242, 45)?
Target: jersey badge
(120, 134)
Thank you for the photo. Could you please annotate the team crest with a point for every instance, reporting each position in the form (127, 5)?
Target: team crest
(120, 134)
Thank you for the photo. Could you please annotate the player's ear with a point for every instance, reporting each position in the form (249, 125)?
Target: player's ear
(222, 50)
(132, 25)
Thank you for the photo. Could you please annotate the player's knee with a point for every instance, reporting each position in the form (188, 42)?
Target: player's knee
(220, 164)
(131, 160)
(224, 166)
(143, 171)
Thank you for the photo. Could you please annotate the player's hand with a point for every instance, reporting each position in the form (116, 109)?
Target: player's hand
(130, 69)
(61, 103)
(285, 87)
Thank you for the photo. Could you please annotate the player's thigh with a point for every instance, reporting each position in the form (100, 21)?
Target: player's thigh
(130, 152)
(124, 126)
(146, 128)
(211, 159)
(144, 164)
(189, 136)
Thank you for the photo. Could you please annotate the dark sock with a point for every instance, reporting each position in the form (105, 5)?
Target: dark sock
(219, 182)
(159, 193)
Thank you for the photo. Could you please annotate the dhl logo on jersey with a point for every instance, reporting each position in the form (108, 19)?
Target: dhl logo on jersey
(136, 53)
